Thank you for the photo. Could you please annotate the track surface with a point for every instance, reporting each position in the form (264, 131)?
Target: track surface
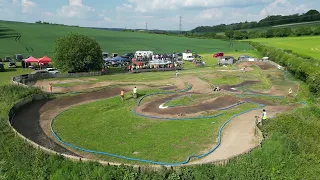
(34, 122)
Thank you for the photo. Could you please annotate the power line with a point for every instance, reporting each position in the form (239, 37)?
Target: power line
(180, 23)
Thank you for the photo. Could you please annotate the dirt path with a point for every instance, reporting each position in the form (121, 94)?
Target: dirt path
(44, 85)
(238, 136)
(198, 85)
(261, 65)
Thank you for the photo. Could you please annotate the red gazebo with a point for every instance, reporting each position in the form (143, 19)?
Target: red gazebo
(45, 60)
(32, 60)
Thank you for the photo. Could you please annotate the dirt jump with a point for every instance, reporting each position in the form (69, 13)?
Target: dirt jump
(237, 137)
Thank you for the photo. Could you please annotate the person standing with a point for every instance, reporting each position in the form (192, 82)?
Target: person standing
(50, 87)
(264, 115)
(122, 95)
(135, 92)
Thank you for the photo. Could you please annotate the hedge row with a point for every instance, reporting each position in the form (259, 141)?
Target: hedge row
(304, 68)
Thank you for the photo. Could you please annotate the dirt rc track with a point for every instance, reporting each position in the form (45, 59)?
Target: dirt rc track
(237, 137)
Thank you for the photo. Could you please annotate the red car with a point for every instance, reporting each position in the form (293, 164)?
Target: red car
(218, 54)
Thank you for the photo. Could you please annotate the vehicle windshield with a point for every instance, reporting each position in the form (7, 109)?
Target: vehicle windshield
(51, 69)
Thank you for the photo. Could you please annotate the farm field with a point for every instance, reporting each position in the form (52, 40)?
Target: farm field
(38, 40)
(307, 46)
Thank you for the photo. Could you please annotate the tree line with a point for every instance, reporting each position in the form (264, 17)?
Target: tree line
(273, 32)
(311, 15)
(43, 22)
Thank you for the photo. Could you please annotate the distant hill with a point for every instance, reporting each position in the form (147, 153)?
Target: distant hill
(274, 20)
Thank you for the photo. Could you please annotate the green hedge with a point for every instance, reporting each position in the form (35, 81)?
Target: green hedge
(303, 68)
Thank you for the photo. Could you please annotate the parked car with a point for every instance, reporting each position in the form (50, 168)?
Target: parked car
(219, 54)
(19, 57)
(12, 65)
(52, 70)
(40, 72)
(243, 57)
(7, 59)
(1, 67)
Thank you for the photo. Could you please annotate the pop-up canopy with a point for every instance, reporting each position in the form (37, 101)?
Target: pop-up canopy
(44, 59)
(32, 60)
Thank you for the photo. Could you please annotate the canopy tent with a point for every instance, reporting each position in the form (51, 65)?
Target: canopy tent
(44, 59)
(32, 60)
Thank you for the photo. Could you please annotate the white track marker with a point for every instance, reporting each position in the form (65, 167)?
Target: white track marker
(163, 107)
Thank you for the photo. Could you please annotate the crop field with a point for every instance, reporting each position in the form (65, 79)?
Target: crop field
(38, 40)
(307, 46)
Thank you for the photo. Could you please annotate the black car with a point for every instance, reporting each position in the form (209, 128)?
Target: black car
(1, 67)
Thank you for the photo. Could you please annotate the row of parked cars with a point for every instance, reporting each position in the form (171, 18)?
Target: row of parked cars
(46, 71)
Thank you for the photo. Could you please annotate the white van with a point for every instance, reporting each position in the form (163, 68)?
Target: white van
(187, 56)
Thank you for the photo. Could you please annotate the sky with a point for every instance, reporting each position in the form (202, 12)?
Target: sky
(158, 14)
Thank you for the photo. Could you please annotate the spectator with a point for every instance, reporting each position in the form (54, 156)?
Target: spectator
(135, 93)
(122, 95)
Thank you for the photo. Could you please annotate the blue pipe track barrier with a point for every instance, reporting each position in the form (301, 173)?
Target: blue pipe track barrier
(168, 163)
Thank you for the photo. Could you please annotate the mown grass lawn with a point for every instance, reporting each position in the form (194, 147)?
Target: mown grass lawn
(110, 126)
(9, 73)
(307, 46)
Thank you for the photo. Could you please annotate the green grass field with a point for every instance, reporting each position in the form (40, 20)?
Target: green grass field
(111, 126)
(307, 46)
(6, 76)
(41, 37)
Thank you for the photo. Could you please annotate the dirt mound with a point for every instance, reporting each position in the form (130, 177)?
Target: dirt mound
(152, 108)
(233, 88)
(198, 85)
(262, 65)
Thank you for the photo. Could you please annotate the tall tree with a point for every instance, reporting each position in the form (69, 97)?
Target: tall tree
(229, 34)
(77, 53)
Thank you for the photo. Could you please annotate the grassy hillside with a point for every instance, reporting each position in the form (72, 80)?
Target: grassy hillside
(307, 46)
(38, 40)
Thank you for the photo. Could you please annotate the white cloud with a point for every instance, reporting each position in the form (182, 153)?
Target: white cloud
(282, 7)
(75, 3)
(144, 6)
(48, 14)
(75, 9)
(27, 6)
(212, 14)
(124, 7)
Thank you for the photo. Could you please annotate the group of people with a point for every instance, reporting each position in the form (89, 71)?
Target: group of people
(134, 93)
